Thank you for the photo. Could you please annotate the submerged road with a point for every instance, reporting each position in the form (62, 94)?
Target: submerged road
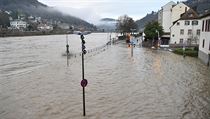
(152, 84)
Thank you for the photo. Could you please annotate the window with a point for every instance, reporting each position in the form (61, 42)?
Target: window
(206, 25)
(198, 32)
(194, 22)
(181, 31)
(187, 23)
(203, 25)
(189, 32)
(189, 41)
(177, 23)
(203, 43)
(208, 29)
(209, 45)
(181, 41)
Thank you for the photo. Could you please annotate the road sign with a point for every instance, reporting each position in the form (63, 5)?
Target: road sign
(84, 83)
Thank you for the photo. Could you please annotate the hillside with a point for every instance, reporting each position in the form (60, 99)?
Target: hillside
(108, 19)
(107, 25)
(201, 6)
(148, 18)
(35, 8)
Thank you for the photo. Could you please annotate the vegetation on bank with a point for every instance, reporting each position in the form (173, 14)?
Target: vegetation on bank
(152, 29)
(193, 52)
(126, 24)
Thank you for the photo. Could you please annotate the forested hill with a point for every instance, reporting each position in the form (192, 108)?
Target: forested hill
(148, 18)
(201, 6)
(35, 8)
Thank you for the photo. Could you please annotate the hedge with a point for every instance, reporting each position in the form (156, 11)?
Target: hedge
(187, 52)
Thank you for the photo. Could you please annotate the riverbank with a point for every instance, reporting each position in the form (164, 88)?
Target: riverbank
(31, 33)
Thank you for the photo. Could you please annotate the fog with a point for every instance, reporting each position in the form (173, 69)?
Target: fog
(93, 10)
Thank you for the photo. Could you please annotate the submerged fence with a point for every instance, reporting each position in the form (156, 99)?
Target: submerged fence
(94, 51)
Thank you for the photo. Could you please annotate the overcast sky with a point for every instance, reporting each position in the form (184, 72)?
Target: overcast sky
(93, 10)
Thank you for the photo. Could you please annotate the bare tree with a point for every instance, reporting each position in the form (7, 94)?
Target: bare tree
(126, 24)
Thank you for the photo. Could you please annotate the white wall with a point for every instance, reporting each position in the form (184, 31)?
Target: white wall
(18, 24)
(166, 16)
(166, 22)
(175, 31)
(205, 35)
(178, 10)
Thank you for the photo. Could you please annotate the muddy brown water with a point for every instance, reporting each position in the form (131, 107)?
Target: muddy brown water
(36, 83)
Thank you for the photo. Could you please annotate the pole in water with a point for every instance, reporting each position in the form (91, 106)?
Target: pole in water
(84, 81)
(67, 49)
(132, 45)
(67, 44)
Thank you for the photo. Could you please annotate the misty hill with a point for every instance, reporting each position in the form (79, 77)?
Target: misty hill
(107, 25)
(108, 19)
(35, 8)
(148, 18)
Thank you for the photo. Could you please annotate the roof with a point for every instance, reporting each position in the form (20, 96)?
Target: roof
(190, 14)
(205, 15)
(180, 3)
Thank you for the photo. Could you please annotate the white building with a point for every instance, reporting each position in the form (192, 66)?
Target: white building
(64, 26)
(187, 29)
(168, 14)
(45, 27)
(177, 11)
(204, 45)
(164, 16)
(18, 24)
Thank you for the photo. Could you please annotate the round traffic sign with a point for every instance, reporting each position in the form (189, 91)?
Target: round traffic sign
(84, 83)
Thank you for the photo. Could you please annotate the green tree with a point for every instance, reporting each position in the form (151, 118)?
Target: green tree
(151, 30)
(126, 24)
(4, 20)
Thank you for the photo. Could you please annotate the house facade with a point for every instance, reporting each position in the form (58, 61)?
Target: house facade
(64, 26)
(186, 30)
(204, 45)
(164, 16)
(177, 11)
(44, 27)
(18, 24)
(168, 14)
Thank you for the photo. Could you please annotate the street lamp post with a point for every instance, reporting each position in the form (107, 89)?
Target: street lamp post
(158, 37)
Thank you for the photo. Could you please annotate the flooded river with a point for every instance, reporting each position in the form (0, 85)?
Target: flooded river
(36, 83)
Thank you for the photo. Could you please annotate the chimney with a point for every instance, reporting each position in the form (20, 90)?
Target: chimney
(185, 9)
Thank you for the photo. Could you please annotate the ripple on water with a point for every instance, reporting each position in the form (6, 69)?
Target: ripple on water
(150, 85)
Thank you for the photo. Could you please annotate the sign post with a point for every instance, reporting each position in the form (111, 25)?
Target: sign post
(84, 82)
